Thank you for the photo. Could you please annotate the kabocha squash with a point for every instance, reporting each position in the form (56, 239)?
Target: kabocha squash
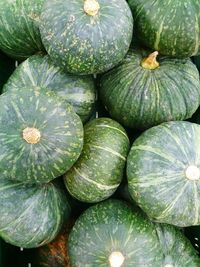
(112, 234)
(86, 37)
(39, 70)
(163, 170)
(144, 91)
(19, 27)
(170, 27)
(55, 254)
(31, 215)
(41, 136)
(99, 170)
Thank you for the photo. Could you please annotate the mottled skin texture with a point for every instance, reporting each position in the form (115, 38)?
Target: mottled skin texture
(140, 98)
(86, 44)
(55, 254)
(61, 136)
(19, 27)
(31, 215)
(99, 170)
(156, 169)
(114, 226)
(172, 27)
(39, 70)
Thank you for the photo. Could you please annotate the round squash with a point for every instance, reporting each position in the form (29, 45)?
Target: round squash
(142, 91)
(41, 136)
(163, 170)
(112, 234)
(170, 27)
(99, 170)
(19, 27)
(86, 37)
(38, 70)
(31, 215)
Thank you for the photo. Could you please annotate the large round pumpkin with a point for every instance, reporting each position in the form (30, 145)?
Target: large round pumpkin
(142, 91)
(163, 171)
(38, 70)
(19, 27)
(41, 136)
(89, 36)
(99, 170)
(111, 234)
(31, 215)
(170, 27)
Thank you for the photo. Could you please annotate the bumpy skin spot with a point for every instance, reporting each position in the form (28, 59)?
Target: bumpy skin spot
(19, 27)
(99, 170)
(39, 70)
(170, 27)
(61, 133)
(31, 215)
(162, 169)
(140, 98)
(113, 225)
(85, 44)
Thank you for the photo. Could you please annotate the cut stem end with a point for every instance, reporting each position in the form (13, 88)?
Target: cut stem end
(31, 135)
(192, 173)
(116, 259)
(91, 7)
(150, 62)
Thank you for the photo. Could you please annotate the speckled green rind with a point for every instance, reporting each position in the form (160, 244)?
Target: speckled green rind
(19, 27)
(114, 226)
(170, 27)
(140, 98)
(99, 170)
(39, 70)
(31, 215)
(85, 44)
(156, 169)
(61, 136)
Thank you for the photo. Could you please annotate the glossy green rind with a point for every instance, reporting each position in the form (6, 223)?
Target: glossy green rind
(156, 170)
(84, 44)
(61, 136)
(31, 215)
(19, 27)
(170, 27)
(38, 70)
(99, 170)
(113, 226)
(140, 98)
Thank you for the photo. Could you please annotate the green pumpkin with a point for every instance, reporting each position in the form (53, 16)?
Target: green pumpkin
(112, 234)
(142, 92)
(19, 27)
(170, 27)
(31, 215)
(99, 170)
(163, 170)
(41, 136)
(38, 70)
(86, 37)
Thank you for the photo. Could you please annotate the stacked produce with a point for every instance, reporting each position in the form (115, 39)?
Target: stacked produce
(132, 58)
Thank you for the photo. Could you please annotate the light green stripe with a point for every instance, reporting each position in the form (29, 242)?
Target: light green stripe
(111, 151)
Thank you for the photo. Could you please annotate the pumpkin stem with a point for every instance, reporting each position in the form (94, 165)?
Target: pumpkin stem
(192, 173)
(169, 265)
(31, 135)
(150, 62)
(91, 7)
(116, 259)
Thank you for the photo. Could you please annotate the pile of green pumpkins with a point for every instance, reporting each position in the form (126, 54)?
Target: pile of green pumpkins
(99, 105)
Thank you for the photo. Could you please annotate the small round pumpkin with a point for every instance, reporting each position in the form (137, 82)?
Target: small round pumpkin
(144, 91)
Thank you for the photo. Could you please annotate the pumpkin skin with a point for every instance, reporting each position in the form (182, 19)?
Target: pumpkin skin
(31, 215)
(140, 98)
(19, 30)
(170, 27)
(160, 177)
(38, 70)
(85, 44)
(113, 226)
(99, 170)
(60, 142)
